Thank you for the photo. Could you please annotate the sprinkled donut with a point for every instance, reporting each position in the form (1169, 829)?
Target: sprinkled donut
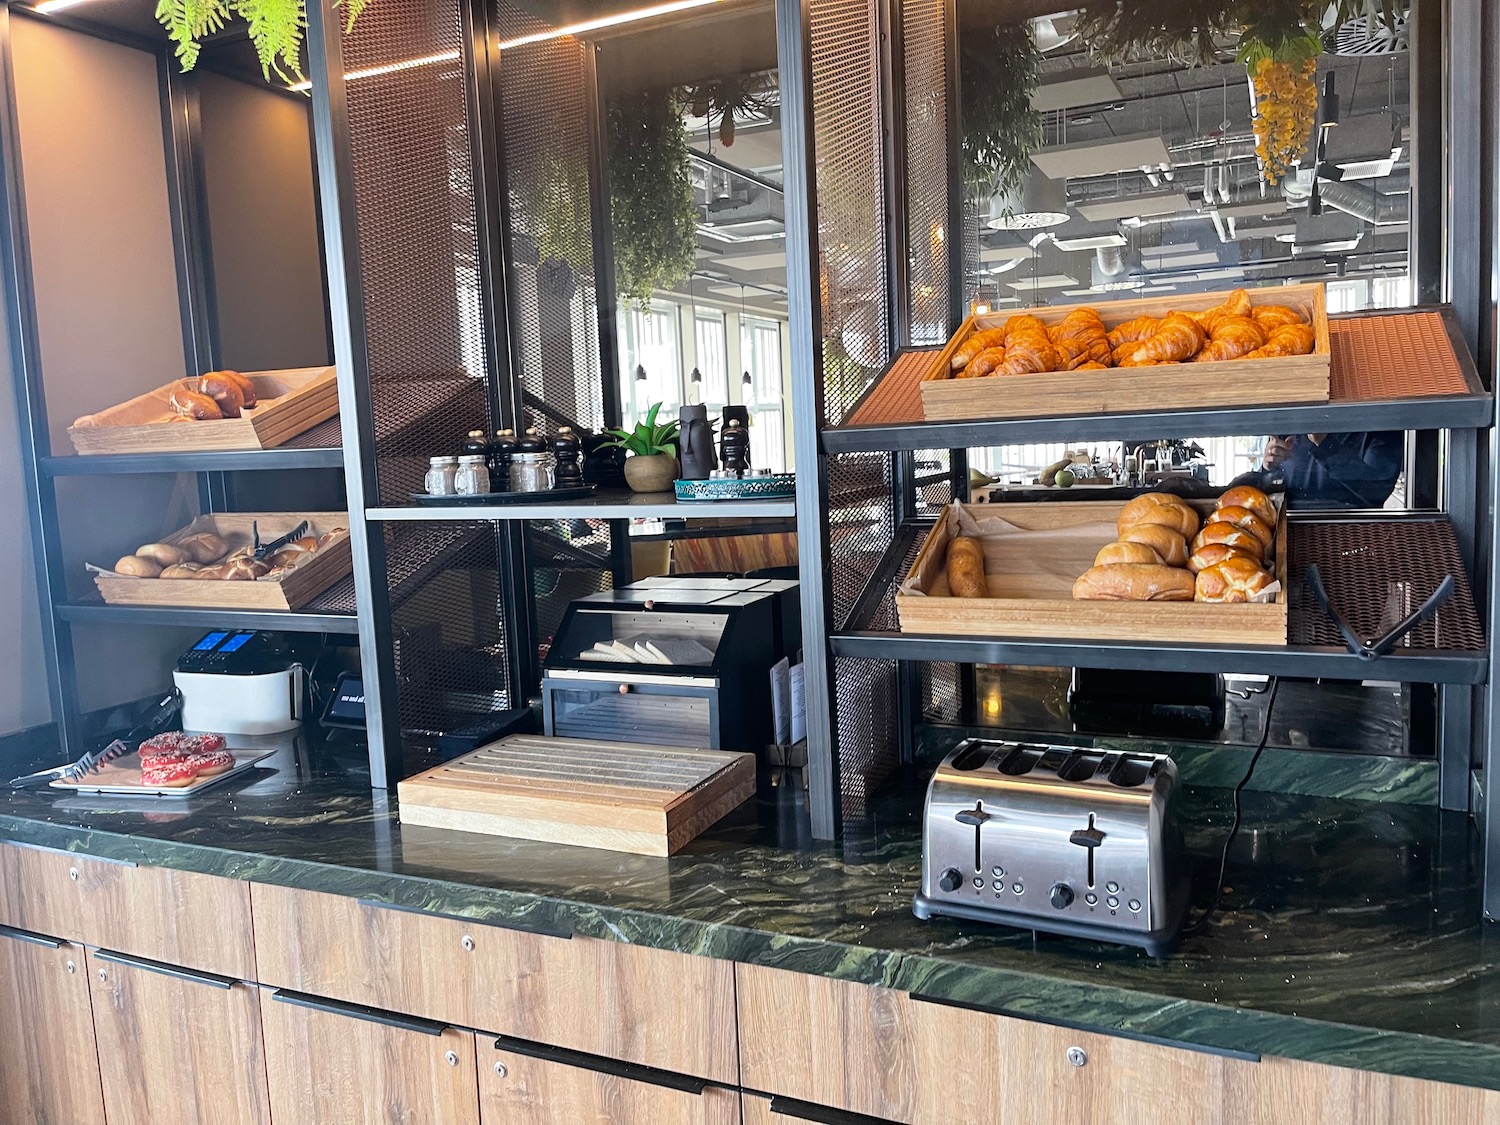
(208, 765)
(174, 775)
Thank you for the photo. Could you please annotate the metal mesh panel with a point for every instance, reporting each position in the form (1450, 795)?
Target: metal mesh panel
(546, 142)
(924, 29)
(448, 640)
(570, 560)
(868, 738)
(851, 194)
(938, 691)
(861, 521)
(1377, 572)
(933, 480)
(414, 197)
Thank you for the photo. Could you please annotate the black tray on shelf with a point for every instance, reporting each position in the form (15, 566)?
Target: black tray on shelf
(580, 492)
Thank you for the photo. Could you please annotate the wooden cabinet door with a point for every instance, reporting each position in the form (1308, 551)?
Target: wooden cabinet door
(528, 1084)
(338, 1064)
(757, 1109)
(49, 1066)
(176, 1044)
(1276, 1091)
(885, 1054)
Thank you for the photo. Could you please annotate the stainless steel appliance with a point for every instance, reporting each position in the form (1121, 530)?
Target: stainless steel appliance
(1073, 841)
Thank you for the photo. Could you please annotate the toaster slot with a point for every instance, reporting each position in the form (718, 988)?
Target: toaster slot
(1130, 771)
(1081, 765)
(1021, 760)
(972, 756)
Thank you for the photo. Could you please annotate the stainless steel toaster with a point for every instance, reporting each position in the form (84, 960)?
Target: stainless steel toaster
(1074, 841)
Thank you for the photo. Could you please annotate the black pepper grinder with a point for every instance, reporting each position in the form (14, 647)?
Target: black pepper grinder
(736, 447)
(475, 446)
(531, 441)
(500, 450)
(567, 451)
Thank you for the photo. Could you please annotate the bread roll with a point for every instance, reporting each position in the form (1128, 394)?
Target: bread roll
(1226, 533)
(1233, 580)
(133, 566)
(1253, 498)
(1246, 520)
(190, 403)
(163, 554)
(1134, 582)
(1211, 553)
(1116, 553)
(204, 547)
(183, 570)
(966, 568)
(1168, 544)
(1159, 508)
(248, 395)
(224, 391)
(329, 536)
(245, 570)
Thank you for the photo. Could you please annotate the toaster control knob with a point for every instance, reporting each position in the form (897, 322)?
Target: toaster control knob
(951, 879)
(1061, 896)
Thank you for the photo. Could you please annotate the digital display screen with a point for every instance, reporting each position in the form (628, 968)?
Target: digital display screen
(209, 642)
(237, 642)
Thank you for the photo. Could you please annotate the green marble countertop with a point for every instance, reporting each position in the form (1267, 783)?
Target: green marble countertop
(1350, 935)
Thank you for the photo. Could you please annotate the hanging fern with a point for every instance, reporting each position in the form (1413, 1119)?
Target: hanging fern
(655, 219)
(276, 28)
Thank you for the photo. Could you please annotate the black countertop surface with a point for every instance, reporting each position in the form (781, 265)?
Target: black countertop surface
(1350, 935)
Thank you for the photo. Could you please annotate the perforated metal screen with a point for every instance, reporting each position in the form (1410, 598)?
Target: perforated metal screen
(924, 30)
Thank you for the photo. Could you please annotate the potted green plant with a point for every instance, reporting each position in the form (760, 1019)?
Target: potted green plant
(652, 464)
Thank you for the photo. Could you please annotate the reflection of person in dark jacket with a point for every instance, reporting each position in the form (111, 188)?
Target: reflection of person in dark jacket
(1336, 470)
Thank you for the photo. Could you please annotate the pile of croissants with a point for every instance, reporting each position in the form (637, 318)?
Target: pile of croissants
(219, 394)
(1235, 329)
(1167, 553)
(207, 556)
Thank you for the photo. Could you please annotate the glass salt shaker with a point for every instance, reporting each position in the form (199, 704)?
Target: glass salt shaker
(531, 472)
(473, 477)
(441, 474)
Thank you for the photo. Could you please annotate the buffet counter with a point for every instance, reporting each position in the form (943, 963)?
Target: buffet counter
(1350, 936)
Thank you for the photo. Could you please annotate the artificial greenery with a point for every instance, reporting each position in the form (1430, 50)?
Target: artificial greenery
(654, 217)
(276, 28)
(999, 69)
(647, 438)
(560, 202)
(744, 95)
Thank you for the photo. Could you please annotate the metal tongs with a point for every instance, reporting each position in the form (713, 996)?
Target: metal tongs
(266, 550)
(1369, 650)
(90, 762)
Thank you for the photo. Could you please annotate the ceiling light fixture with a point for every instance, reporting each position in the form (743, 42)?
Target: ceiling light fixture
(47, 7)
(1035, 203)
(385, 68)
(604, 21)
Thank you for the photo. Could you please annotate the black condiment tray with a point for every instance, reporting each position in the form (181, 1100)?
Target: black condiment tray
(579, 492)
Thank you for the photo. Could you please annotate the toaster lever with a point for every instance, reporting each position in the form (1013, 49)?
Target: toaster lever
(1089, 837)
(975, 817)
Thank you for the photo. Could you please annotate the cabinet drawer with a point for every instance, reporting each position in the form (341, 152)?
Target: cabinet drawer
(648, 1006)
(197, 921)
(881, 1053)
(332, 1064)
(1281, 1090)
(523, 1084)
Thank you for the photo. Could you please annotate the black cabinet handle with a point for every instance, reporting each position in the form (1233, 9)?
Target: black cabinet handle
(1073, 1025)
(821, 1114)
(27, 936)
(602, 1065)
(360, 1012)
(177, 972)
(492, 923)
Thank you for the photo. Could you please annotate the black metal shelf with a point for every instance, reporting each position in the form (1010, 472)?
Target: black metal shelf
(222, 461)
(1449, 412)
(604, 506)
(1432, 666)
(94, 612)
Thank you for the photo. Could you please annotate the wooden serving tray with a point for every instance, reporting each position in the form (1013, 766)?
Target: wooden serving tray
(650, 800)
(1171, 386)
(289, 592)
(291, 402)
(1030, 573)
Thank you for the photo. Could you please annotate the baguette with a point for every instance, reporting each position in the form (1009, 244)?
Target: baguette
(965, 567)
(1134, 582)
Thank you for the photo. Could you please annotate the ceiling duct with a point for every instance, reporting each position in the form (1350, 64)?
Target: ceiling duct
(1371, 206)
(1370, 34)
(1109, 261)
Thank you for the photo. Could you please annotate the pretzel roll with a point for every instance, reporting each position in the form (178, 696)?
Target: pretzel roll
(1116, 553)
(1134, 582)
(191, 403)
(183, 570)
(245, 570)
(1211, 553)
(248, 394)
(1247, 520)
(1167, 543)
(1229, 535)
(224, 391)
(1233, 580)
(1159, 508)
(1253, 498)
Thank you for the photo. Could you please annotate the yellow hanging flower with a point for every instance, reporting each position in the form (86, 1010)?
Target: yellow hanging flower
(1286, 109)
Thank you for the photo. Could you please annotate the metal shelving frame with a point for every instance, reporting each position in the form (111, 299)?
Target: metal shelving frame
(181, 132)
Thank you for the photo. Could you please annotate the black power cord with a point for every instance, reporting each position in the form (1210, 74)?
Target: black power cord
(1234, 828)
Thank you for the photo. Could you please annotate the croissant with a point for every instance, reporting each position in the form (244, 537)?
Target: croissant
(1022, 322)
(970, 348)
(1081, 338)
(1030, 357)
(1092, 365)
(983, 364)
(1180, 337)
(1133, 331)
(1289, 339)
(1229, 338)
(1271, 317)
(1236, 304)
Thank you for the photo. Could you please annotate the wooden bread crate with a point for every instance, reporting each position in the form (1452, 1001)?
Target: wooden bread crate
(285, 593)
(1030, 570)
(650, 800)
(291, 402)
(1170, 386)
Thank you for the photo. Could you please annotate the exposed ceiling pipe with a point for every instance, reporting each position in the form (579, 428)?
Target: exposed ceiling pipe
(1110, 260)
(1371, 206)
(1220, 227)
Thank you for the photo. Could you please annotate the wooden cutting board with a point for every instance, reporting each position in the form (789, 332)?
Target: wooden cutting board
(624, 797)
